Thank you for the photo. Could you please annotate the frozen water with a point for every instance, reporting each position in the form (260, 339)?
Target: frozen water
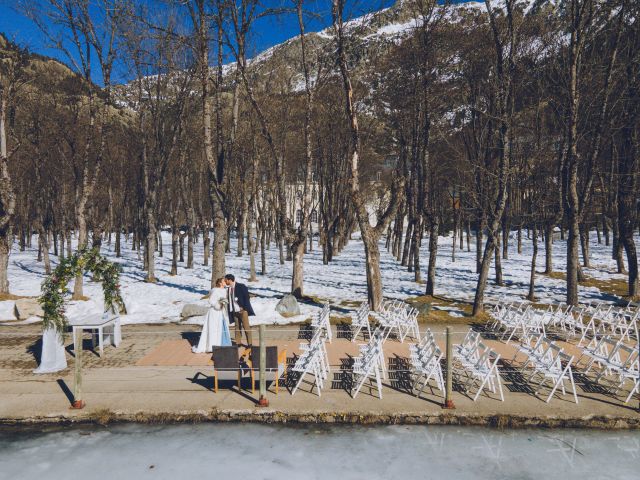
(261, 451)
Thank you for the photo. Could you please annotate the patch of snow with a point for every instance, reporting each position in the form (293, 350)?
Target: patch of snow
(343, 280)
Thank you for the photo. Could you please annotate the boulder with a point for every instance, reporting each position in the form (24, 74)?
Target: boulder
(288, 306)
(28, 307)
(194, 310)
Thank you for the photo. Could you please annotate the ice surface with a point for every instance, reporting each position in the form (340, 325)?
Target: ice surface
(218, 451)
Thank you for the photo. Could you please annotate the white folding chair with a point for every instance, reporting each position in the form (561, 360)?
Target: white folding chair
(367, 365)
(360, 321)
(484, 372)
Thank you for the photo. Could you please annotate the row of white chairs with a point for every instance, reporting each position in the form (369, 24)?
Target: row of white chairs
(321, 321)
(617, 321)
(520, 319)
(426, 359)
(617, 362)
(313, 360)
(479, 363)
(594, 321)
(370, 364)
(360, 321)
(547, 362)
(399, 317)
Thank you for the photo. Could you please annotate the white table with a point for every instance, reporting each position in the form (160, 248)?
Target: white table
(108, 323)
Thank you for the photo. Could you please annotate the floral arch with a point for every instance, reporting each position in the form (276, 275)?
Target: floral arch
(55, 287)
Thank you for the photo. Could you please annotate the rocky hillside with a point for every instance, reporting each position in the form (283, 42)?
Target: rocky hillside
(371, 33)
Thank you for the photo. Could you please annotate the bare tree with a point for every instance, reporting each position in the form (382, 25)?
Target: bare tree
(11, 78)
(370, 233)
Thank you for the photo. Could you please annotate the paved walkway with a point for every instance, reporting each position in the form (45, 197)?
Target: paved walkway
(154, 374)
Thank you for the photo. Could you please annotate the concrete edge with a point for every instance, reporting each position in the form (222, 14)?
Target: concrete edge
(269, 416)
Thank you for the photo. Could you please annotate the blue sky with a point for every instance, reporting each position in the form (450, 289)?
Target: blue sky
(267, 31)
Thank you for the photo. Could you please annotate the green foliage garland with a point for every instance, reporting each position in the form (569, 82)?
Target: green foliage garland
(55, 287)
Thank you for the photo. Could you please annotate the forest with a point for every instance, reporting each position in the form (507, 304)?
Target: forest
(494, 123)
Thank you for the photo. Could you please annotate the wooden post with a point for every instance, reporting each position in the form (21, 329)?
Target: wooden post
(78, 403)
(263, 402)
(448, 401)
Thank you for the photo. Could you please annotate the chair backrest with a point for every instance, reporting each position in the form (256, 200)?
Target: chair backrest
(470, 339)
(272, 358)
(553, 356)
(225, 358)
(629, 357)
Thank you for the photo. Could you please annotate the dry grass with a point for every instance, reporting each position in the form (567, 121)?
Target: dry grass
(350, 303)
(444, 316)
(614, 286)
(314, 299)
(11, 296)
(103, 416)
(556, 275)
(82, 298)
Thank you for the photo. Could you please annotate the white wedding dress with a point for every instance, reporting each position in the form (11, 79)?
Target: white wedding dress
(215, 331)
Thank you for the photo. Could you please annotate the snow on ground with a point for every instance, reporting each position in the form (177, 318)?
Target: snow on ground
(343, 280)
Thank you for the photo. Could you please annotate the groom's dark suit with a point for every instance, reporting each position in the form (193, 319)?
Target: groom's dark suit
(240, 310)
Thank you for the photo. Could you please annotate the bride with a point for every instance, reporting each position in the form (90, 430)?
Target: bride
(215, 331)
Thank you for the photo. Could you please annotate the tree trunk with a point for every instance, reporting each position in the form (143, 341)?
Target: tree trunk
(415, 241)
(453, 243)
(478, 303)
(206, 241)
(190, 239)
(479, 240)
(532, 290)
(434, 231)
(498, 264)
(572, 261)
(175, 240)
(407, 244)
(584, 245)
(61, 245)
(263, 253)
(219, 247)
(150, 251)
(82, 244)
(548, 249)
(505, 239)
(297, 279)
(520, 239)
(44, 247)
(605, 230)
(118, 247)
(374, 277)
(5, 249)
(251, 245)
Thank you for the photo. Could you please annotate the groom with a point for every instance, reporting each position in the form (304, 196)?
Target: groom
(239, 308)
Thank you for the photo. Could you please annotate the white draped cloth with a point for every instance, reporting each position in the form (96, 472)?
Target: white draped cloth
(215, 331)
(53, 358)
